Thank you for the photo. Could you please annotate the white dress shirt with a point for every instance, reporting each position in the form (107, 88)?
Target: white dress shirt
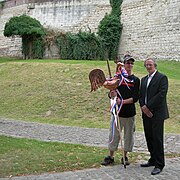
(148, 81)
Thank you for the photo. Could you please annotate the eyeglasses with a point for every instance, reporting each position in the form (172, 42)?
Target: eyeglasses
(129, 63)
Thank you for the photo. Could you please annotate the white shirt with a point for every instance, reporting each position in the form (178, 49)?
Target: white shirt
(148, 81)
(150, 77)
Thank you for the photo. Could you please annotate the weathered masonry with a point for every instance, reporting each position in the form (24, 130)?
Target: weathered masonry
(150, 28)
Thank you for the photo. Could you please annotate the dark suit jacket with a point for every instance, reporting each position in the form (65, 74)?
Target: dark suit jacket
(156, 95)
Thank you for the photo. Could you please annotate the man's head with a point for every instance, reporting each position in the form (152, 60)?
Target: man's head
(128, 62)
(150, 65)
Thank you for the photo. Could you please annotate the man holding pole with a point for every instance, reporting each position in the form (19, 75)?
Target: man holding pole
(127, 96)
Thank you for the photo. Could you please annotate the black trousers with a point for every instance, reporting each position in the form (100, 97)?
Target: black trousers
(154, 134)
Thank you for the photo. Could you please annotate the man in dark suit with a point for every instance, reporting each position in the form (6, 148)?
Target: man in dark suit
(153, 91)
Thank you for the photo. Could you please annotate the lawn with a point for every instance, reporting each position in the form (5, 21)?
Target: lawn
(58, 92)
(23, 156)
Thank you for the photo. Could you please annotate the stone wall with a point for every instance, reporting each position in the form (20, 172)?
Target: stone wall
(71, 15)
(151, 28)
(10, 46)
(60, 15)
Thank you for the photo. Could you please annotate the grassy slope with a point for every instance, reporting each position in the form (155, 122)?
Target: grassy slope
(58, 92)
(54, 92)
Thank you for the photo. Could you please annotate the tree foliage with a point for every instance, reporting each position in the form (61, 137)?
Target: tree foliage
(31, 32)
(23, 26)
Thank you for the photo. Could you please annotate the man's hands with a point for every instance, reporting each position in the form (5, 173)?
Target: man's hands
(146, 111)
(118, 101)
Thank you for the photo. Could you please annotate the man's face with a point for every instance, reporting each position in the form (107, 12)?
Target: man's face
(128, 65)
(150, 66)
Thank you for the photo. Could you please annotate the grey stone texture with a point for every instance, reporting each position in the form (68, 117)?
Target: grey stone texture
(58, 15)
(150, 28)
(92, 137)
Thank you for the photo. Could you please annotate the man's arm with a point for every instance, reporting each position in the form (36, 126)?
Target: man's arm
(128, 101)
(125, 101)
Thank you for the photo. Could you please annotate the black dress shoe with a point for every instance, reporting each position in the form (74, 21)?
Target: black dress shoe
(156, 171)
(107, 161)
(148, 164)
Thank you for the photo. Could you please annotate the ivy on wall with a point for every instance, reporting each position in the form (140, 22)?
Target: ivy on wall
(87, 45)
(83, 45)
(110, 29)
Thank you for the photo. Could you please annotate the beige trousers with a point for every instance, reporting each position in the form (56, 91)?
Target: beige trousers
(128, 126)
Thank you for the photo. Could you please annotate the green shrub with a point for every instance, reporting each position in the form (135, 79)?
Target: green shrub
(87, 45)
(110, 29)
(38, 48)
(31, 32)
(83, 45)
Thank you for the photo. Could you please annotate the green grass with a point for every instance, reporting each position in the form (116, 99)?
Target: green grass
(58, 92)
(21, 157)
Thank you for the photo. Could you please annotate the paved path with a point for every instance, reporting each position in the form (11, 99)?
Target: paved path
(92, 137)
(76, 135)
